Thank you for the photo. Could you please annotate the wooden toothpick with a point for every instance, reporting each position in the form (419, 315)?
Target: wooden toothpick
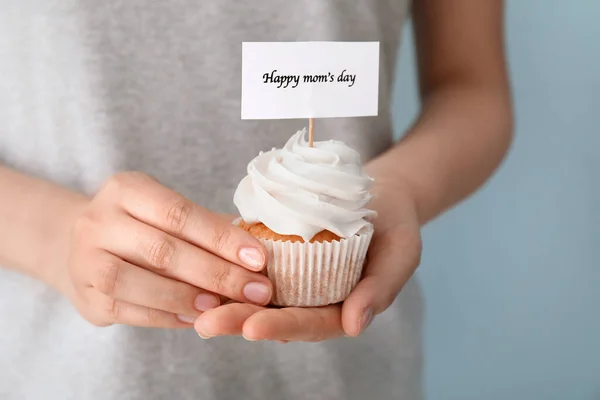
(310, 132)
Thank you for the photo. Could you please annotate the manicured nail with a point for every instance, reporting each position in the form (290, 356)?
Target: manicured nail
(250, 340)
(252, 257)
(203, 336)
(258, 293)
(205, 302)
(365, 320)
(201, 333)
(186, 319)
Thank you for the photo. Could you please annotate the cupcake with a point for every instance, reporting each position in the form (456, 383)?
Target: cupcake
(307, 206)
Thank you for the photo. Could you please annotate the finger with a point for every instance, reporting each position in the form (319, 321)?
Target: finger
(121, 312)
(295, 324)
(225, 320)
(390, 264)
(150, 248)
(152, 203)
(229, 218)
(121, 280)
(135, 315)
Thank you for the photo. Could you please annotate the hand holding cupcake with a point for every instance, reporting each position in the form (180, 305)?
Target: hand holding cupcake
(312, 209)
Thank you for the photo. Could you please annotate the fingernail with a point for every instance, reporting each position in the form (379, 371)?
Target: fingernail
(203, 336)
(258, 293)
(252, 257)
(201, 333)
(249, 339)
(186, 319)
(205, 302)
(365, 320)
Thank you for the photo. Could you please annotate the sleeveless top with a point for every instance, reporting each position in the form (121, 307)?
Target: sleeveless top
(89, 88)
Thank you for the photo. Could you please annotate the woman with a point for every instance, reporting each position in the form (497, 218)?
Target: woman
(95, 255)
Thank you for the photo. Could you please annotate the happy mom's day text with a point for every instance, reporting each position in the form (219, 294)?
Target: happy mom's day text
(292, 81)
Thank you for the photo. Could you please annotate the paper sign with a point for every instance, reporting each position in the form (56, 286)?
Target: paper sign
(309, 79)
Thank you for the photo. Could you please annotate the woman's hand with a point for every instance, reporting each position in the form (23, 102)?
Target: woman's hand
(144, 255)
(393, 256)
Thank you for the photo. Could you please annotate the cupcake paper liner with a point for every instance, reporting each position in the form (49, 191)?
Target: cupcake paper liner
(315, 274)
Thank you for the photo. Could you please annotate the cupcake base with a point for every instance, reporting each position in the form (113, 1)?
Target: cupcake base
(259, 230)
(313, 274)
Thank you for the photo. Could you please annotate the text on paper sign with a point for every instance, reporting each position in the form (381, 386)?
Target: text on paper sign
(292, 81)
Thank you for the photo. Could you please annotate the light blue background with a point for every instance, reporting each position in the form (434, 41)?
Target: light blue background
(512, 276)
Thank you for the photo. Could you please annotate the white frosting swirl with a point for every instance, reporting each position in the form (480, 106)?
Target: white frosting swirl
(302, 190)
